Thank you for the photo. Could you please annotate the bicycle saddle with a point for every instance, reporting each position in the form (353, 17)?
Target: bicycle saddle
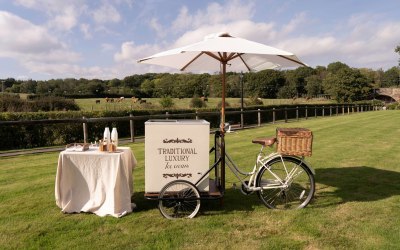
(265, 141)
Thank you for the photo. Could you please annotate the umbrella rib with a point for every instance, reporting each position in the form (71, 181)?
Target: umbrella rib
(290, 59)
(194, 59)
(213, 56)
(231, 56)
(245, 64)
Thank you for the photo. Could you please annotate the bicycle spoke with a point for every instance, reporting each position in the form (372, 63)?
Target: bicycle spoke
(179, 199)
(297, 187)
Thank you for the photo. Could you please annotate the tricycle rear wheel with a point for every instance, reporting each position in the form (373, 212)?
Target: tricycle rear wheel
(179, 199)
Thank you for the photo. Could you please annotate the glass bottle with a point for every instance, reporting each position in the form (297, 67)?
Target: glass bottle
(114, 136)
(106, 137)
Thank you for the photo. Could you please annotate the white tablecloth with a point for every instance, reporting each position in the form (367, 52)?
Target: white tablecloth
(96, 182)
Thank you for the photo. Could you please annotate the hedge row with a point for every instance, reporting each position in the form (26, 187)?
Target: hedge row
(40, 135)
(12, 103)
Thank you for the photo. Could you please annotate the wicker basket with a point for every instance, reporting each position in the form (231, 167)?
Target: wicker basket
(294, 141)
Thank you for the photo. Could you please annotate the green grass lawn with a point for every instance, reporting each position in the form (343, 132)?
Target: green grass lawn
(89, 104)
(356, 206)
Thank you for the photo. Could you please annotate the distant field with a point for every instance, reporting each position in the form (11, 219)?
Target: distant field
(90, 103)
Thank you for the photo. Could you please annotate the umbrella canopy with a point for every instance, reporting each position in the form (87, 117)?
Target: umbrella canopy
(224, 51)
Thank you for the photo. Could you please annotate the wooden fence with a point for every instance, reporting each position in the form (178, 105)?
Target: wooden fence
(240, 119)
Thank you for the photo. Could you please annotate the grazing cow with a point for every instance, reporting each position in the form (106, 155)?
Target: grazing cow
(142, 101)
(204, 99)
(112, 100)
(134, 99)
(107, 100)
(121, 99)
(97, 101)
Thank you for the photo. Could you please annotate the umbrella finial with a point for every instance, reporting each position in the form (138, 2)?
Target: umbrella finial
(214, 35)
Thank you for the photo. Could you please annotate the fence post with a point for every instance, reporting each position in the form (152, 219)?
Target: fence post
(242, 118)
(306, 113)
(315, 111)
(197, 116)
(85, 130)
(297, 113)
(285, 114)
(337, 110)
(342, 109)
(352, 109)
(259, 118)
(330, 110)
(273, 115)
(166, 114)
(348, 109)
(132, 128)
(323, 111)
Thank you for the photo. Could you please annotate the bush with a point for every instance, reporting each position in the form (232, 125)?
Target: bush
(227, 104)
(196, 102)
(167, 102)
(253, 101)
(393, 106)
(9, 103)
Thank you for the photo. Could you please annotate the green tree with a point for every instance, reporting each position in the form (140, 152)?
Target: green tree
(264, 84)
(391, 77)
(163, 85)
(95, 86)
(147, 88)
(295, 79)
(336, 66)
(397, 50)
(167, 102)
(313, 85)
(346, 85)
(233, 85)
(215, 85)
(28, 87)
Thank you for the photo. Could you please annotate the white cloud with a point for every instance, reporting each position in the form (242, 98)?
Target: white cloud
(67, 70)
(107, 13)
(183, 20)
(65, 20)
(295, 24)
(63, 15)
(85, 29)
(130, 52)
(363, 41)
(156, 26)
(259, 32)
(19, 36)
(32, 45)
(215, 14)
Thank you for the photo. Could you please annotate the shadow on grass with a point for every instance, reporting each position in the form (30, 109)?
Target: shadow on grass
(232, 201)
(359, 184)
(334, 186)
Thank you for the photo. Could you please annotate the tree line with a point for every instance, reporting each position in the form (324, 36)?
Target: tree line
(338, 81)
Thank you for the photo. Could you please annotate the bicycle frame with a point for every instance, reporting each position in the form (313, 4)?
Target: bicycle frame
(261, 162)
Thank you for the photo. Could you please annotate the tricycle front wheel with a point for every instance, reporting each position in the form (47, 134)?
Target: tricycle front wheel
(179, 199)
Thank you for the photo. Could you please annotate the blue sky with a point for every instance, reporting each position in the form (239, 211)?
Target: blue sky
(45, 39)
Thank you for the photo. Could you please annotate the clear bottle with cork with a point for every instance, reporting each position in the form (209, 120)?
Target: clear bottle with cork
(106, 139)
(113, 140)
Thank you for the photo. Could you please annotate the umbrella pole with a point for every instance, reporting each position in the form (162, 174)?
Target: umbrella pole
(222, 127)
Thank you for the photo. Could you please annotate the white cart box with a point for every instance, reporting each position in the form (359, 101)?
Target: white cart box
(176, 149)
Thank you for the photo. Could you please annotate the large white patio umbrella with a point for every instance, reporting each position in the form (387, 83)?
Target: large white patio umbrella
(227, 53)
(224, 51)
